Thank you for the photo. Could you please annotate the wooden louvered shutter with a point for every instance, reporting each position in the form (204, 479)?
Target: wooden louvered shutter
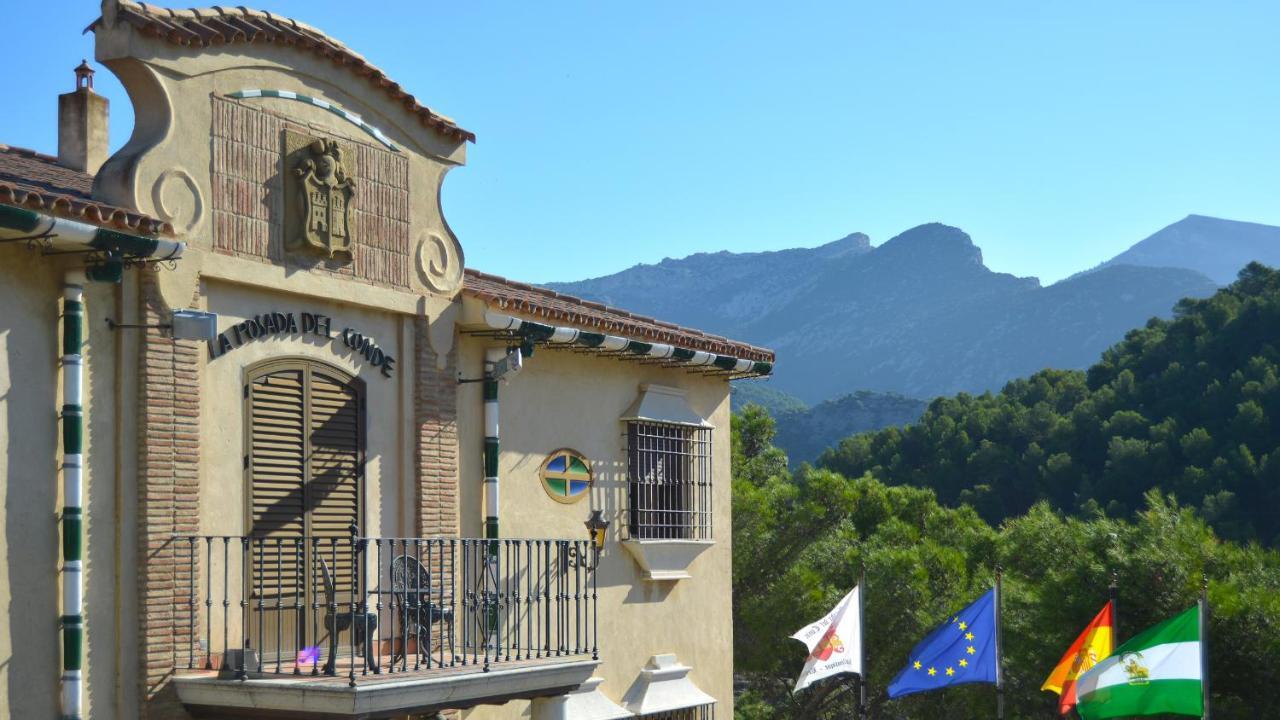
(333, 488)
(277, 466)
(305, 472)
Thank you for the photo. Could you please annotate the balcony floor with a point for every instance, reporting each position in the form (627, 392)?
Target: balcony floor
(285, 695)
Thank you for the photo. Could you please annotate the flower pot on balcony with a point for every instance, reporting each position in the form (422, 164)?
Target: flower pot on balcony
(234, 659)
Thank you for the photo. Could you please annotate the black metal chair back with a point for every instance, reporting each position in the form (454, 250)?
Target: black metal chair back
(336, 621)
(411, 583)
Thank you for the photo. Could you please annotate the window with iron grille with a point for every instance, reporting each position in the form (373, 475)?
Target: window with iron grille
(701, 712)
(669, 481)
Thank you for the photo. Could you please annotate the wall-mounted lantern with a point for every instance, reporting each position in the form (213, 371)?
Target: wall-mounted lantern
(578, 555)
(183, 325)
(596, 528)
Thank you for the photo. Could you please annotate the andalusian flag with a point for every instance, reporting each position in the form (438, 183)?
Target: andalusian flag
(1159, 671)
(1094, 644)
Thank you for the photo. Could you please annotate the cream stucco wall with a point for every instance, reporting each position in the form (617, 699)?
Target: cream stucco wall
(562, 399)
(29, 658)
(388, 500)
(388, 402)
(164, 169)
(31, 483)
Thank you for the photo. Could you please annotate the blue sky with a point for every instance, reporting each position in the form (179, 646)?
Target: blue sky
(612, 133)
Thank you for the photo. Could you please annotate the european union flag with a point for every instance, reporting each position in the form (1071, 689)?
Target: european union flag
(962, 650)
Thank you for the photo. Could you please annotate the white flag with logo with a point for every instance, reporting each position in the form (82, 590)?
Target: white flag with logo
(834, 642)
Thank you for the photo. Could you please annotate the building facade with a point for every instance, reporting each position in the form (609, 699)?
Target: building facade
(271, 450)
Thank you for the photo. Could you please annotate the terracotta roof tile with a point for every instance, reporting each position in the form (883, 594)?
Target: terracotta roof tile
(207, 27)
(35, 180)
(549, 306)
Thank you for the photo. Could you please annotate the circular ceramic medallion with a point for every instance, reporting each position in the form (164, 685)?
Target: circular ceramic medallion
(566, 476)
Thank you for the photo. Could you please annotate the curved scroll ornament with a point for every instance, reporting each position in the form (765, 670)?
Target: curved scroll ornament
(177, 199)
(439, 263)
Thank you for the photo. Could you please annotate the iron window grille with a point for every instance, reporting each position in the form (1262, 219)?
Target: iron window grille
(699, 712)
(669, 481)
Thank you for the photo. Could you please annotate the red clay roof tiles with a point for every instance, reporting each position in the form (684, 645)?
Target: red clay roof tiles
(549, 306)
(35, 180)
(204, 27)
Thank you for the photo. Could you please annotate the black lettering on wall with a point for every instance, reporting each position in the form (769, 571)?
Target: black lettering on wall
(278, 323)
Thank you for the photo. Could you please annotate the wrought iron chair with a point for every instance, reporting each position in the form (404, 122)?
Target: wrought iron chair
(411, 584)
(336, 621)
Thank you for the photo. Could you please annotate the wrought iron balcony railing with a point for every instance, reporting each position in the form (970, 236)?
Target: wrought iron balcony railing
(360, 606)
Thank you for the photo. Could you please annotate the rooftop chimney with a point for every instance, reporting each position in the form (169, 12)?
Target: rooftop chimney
(82, 124)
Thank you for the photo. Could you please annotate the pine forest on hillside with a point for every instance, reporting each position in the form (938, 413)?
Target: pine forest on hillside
(1188, 406)
(799, 540)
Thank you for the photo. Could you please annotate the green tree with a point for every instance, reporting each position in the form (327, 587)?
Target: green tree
(1189, 405)
(808, 535)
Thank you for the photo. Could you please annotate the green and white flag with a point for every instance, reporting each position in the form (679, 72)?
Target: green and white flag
(1156, 672)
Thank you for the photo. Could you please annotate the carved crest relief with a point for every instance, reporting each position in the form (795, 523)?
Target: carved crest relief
(320, 192)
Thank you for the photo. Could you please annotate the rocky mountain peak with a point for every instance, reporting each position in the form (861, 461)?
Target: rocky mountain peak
(1213, 246)
(932, 244)
(852, 244)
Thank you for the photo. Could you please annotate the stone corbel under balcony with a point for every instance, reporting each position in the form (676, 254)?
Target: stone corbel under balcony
(664, 686)
(666, 560)
(585, 703)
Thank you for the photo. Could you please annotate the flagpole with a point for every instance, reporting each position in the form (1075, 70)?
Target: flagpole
(1115, 609)
(862, 642)
(999, 648)
(1114, 591)
(1204, 643)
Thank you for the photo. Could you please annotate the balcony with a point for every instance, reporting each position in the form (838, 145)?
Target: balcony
(368, 627)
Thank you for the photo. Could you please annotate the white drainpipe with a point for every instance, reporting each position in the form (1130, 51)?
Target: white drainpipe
(492, 357)
(73, 492)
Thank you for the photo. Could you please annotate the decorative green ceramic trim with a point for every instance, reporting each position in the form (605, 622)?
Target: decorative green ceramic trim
(20, 219)
(534, 332)
(72, 534)
(341, 112)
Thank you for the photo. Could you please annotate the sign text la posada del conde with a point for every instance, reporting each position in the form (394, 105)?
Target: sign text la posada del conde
(275, 324)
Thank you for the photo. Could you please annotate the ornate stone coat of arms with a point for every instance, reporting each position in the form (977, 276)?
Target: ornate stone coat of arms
(324, 193)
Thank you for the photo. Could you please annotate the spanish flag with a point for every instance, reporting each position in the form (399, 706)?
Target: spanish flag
(1093, 645)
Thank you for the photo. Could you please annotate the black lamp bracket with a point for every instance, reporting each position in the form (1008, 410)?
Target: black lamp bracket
(116, 326)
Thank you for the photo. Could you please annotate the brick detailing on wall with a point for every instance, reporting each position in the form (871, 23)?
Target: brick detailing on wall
(436, 413)
(168, 498)
(248, 202)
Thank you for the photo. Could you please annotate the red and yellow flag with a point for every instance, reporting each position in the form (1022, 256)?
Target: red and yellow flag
(1094, 644)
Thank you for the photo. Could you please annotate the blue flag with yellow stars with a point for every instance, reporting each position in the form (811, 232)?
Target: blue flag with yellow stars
(962, 650)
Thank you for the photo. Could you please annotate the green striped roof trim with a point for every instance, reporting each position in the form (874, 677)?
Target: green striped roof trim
(341, 112)
(725, 362)
(122, 243)
(556, 335)
(20, 219)
(66, 234)
(536, 331)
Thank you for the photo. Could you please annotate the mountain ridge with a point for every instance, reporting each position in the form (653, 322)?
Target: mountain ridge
(1216, 247)
(919, 315)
